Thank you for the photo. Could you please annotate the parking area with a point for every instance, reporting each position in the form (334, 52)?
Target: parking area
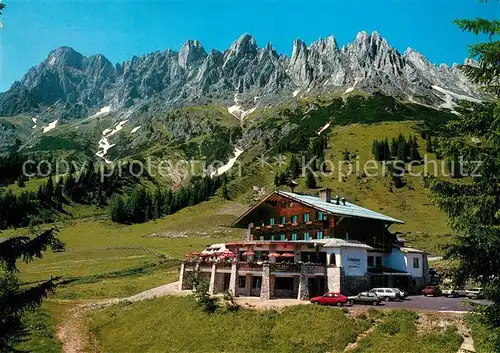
(420, 302)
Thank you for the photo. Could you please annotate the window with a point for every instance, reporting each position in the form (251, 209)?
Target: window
(242, 281)
(294, 236)
(294, 219)
(371, 263)
(321, 216)
(272, 237)
(307, 236)
(416, 262)
(333, 261)
(283, 220)
(256, 282)
(283, 204)
(271, 221)
(282, 237)
(319, 235)
(307, 217)
(261, 238)
(378, 261)
(290, 204)
(284, 283)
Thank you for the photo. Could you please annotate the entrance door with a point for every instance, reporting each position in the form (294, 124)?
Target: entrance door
(227, 279)
(316, 286)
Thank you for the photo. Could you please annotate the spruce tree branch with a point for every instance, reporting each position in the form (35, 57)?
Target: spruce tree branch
(26, 248)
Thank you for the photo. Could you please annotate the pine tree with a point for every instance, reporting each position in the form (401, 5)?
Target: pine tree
(394, 147)
(118, 211)
(49, 189)
(225, 193)
(310, 180)
(473, 206)
(15, 299)
(428, 147)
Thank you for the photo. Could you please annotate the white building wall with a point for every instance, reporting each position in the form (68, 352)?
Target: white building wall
(415, 272)
(396, 260)
(336, 253)
(353, 261)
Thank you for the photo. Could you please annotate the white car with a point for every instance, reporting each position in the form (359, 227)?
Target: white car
(474, 293)
(453, 292)
(385, 293)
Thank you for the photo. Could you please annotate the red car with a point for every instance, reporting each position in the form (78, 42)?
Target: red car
(432, 290)
(330, 299)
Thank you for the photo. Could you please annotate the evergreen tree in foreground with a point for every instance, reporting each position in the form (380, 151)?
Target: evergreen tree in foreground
(15, 299)
(474, 207)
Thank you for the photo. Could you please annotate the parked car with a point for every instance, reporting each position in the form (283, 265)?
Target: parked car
(402, 293)
(453, 292)
(385, 293)
(435, 291)
(476, 293)
(364, 298)
(330, 299)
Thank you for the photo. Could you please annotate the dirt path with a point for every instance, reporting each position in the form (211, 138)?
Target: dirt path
(73, 332)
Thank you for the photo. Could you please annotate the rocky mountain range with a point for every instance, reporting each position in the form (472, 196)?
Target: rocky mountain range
(80, 84)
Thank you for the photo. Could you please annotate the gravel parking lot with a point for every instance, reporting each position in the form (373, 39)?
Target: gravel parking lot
(429, 303)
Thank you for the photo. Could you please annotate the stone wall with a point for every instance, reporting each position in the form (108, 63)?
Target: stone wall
(303, 284)
(267, 286)
(333, 279)
(185, 278)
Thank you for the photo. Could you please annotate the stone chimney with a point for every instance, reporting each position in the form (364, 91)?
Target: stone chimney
(325, 195)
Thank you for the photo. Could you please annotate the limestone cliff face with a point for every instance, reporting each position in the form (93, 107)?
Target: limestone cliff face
(171, 78)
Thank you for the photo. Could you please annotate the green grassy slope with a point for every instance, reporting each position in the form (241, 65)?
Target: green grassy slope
(304, 328)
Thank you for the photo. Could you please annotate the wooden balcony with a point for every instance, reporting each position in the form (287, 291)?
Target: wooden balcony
(285, 267)
(249, 266)
(314, 224)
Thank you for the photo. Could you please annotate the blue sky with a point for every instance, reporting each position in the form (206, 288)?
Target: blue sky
(120, 29)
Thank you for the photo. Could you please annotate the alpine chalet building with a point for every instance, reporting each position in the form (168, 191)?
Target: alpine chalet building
(299, 246)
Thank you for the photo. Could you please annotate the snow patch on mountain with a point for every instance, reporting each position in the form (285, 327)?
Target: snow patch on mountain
(327, 125)
(51, 126)
(104, 111)
(103, 148)
(237, 110)
(104, 145)
(451, 96)
(135, 129)
(117, 128)
(229, 164)
(297, 91)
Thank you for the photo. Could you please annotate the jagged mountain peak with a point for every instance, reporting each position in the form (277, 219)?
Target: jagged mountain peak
(65, 56)
(191, 52)
(193, 76)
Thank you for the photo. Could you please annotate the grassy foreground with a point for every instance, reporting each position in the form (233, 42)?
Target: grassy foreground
(176, 324)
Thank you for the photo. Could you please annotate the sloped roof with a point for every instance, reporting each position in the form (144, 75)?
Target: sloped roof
(406, 249)
(348, 210)
(336, 242)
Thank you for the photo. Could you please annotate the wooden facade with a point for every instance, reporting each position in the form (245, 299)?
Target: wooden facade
(279, 218)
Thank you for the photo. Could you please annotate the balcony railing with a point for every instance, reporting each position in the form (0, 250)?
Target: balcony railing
(284, 267)
(249, 266)
(308, 224)
(224, 266)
